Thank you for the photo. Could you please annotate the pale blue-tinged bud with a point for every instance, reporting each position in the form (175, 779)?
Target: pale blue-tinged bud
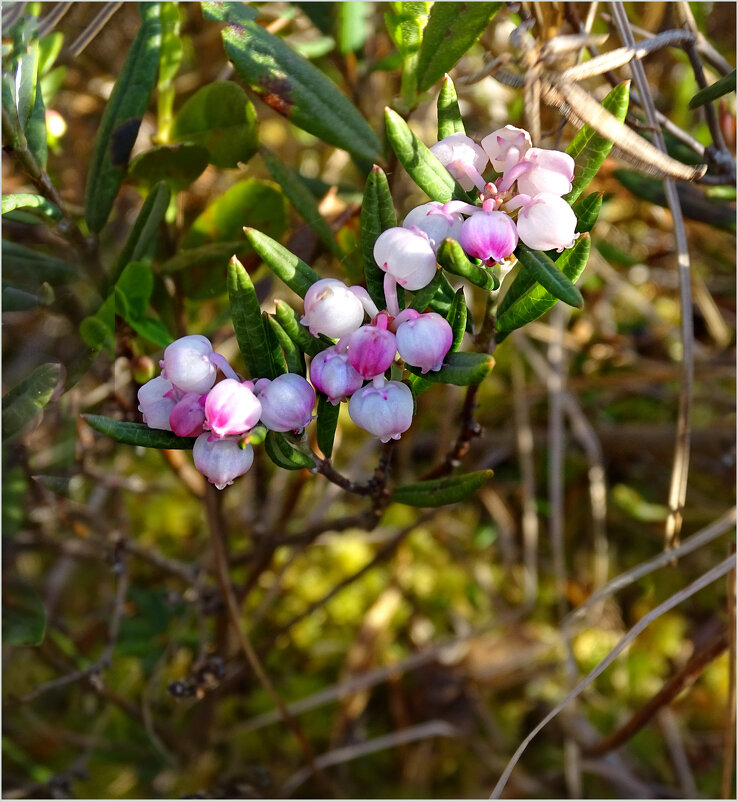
(221, 460)
(155, 402)
(423, 340)
(331, 308)
(187, 364)
(383, 408)
(286, 402)
(332, 373)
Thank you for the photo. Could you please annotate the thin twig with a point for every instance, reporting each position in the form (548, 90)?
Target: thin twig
(99, 21)
(677, 752)
(726, 783)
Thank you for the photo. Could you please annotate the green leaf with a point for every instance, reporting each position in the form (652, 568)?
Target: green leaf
(15, 299)
(460, 369)
(211, 256)
(293, 356)
(146, 228)
(721, 87)
(457, 319)
(298, 333)
(122, 118)
(26, 81)
(302, 199)
(377, 215)
(14, 501)
(281, 452)
(98, 330)
(535, 300)
(295, 88)
(587, 210)
(24, 264)
(220, 118)
(421, 165)
(292, 270)
(451, 30)
(449, 116)
(247, 322)
(138, 433)
(274, 350)
(22, 403)
(441, 491)
(230, 12)
(133, 291)
(589, 149)
(352, 26)
(153, 330)
(405, 23)
(326, 424)
(541, 268)
(423, 297)
(24, 616)
(177, 165)
(453, 259)
(36, 205)
(35, 130)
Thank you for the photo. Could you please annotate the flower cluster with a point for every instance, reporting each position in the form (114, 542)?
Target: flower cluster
(186, 400)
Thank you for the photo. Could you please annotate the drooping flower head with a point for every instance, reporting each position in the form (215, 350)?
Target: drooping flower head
(506, 146)
(286, 402)
(435, 225)
(221, 460)
(372, 349)
(463, 158)
(423, 340)
(406, 255)
(383, 408)
(187, 364)
(546, 222)
(489, 236)
(333, 374)
(331, 308)
(188, 416)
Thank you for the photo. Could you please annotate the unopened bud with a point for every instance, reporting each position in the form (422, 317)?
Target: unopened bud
(221, 460)
(286, 402)
(154, 404)
(231, 408)
(331, 308)
(383, 408)
(187, 364)
(332, 373)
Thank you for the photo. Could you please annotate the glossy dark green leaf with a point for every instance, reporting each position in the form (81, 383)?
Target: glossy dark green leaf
(35, 130)
(281, 452)
(541, 268)
(295, 88)
(449, 116)
(247, 322)
(146, 228)
(441, 491)
(220, 118)
(453, 259)
(587, 210)
(292, 270)
(39, 207)
(353, 26)
(377, 215)
(25, 400)
(24, 616)
(24, 264)
(721, 87)
(457, 319)
(138, 433)
(423, 297)
(302, 199)
(298, 333)
(460, 369)
(229, 12)
(122, 118)
(326, 424)
(274, 349)
(536, 300)
(293, 355)
(451, 30)
(26, 81)
(177, 165)
(421, 165)
(589, 149)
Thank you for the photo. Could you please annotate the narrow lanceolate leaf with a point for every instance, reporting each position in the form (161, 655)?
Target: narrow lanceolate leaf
(281, 452)
(22, 264)
(441, 491)
(540, 267)
(589, 149)
(288, 318)
(451, 30)
(22, 403)
(587, 210)
(295, 88)
(535, 301)
(138, 433)
(714, 91)
(230, 12)
(292, 270)
(423, 297)
(326, 424)
(302, 199)
(421, 165)
(449, 116)
(377, 215)
(35, 205)
(247, 322)
(352, 26)
(460, 369)
(457, 319)
(293, 355)
(122, 118)
(145, 229)
(453, 259)
(278, 364)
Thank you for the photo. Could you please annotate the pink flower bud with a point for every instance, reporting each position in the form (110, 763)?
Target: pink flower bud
(188, 416)
(383, 408)
(286, 402)
(551, 171)
(332, 373)
(407, 256)
(155, 403)
(436, 226)
(187, 364)
(424, 340)
(490, 235)
(371, 349)
(221, 460)
(506, 146)
(331, 308)
(547, 222)
(463, 158)
(231, 408)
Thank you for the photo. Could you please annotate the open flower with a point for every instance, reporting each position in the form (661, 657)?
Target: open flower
(463, 158)
(383, 408)
(546, 222)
